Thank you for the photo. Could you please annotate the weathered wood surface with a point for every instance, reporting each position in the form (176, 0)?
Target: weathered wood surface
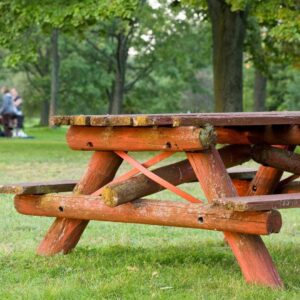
(271, 135)
(289, 188)
(250, 251)
(153, 212)
(175, 120)
(181, 172)
(281, 159)
(38, 188)
(287, 180)
(260, 203)
(140, 139)
(65, 233)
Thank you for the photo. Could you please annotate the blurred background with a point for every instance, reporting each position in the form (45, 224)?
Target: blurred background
(98, 57)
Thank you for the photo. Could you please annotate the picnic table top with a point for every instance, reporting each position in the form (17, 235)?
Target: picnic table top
(175, 120)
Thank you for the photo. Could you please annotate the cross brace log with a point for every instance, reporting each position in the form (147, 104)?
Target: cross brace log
(281, 159)
(140, 139)
(154, 212)
(289, 188)
(271, 135)
(181, 172)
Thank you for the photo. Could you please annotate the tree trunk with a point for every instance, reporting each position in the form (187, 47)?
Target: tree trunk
(260, 87)
(54, 72)
(228, 29)
(44, 117)
(118, 88)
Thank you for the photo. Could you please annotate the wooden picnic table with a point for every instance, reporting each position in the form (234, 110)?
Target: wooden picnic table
(242, 203)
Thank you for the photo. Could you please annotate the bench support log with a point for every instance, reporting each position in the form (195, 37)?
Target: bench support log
(154, 212)
(281, 159)
(250, 251)
(271, 135)
(65, 233)
(289, 188)
(140, 139)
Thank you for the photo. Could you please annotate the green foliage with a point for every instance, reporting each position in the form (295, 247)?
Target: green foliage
(175, 63)
(19, 18)
(283, 89)
(163, 73)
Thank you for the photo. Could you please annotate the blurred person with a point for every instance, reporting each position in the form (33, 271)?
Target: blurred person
(17, 100)
(8, 111)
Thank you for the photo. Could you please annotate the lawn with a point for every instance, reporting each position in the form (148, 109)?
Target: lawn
(121, 261)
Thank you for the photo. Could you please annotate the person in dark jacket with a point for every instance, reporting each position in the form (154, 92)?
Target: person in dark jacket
(7, 107)
(8, 111)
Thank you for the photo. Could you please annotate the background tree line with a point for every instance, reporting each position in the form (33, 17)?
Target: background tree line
(97, 57)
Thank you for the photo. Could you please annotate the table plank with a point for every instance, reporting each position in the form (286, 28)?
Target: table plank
(175, 120)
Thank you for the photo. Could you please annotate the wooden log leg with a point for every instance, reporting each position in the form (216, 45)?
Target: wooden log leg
(250, 251)
(64, 234)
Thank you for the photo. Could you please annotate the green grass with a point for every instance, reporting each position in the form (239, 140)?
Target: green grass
(121, 261)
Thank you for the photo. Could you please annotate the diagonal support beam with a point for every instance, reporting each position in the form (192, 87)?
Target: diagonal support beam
(250, 251)
(65, 233)
(147, 164)
(157, 179)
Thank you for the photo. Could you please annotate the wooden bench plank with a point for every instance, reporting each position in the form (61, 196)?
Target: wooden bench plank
(242, 173)
(175, 120)
(38, 188)
(57, 186)
(260, 203)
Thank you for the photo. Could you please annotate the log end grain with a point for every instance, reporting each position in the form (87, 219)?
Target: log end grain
(207, 136)
(110, 197)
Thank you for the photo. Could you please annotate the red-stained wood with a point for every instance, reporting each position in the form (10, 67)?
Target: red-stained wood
(216, 119)
(281, 159)
(65, 233)
(250, 251)
(38, 188)
(154, 212)
(272, 135)
(241, 186)
(181, 172)
(289, 188)
(147, 164)
(260, 203)
(266, 179)
(139, 139)
(157, 179)
(287, 180)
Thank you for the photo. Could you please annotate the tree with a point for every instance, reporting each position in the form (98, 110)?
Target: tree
(19, 18)
(228, 29)
(229, 18)
(54, 72)
(272, 39)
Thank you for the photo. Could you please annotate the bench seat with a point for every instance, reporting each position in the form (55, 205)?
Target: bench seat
(260, 203)
(38, 188)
